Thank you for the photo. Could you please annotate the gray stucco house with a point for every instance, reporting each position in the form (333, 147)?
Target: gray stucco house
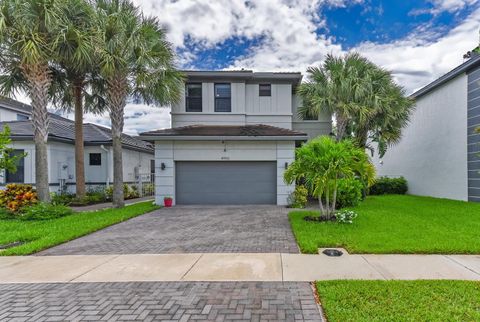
(233, 134)
(439, 151)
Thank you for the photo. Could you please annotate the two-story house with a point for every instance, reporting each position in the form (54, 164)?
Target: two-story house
(233, 135)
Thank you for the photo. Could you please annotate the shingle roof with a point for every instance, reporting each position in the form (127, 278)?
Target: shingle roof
(225, 130)
(64, 129)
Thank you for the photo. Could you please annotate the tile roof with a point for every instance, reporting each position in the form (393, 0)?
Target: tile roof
(64, 129)
(225, 130)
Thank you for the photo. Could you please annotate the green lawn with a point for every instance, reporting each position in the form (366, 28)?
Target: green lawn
(397, 224)
(43, 234)
(400, 300)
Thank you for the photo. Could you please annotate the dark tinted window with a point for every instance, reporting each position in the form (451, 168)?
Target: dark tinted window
(19, 175)
(95, 159)
(193, 97)
(223, 100)
(265, 90)
(21, 117)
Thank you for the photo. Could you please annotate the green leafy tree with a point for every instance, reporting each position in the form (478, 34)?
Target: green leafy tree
(30, 32)
(322, 162)
(367, 104)
(135, 60)
(76, 72)
(8, 161)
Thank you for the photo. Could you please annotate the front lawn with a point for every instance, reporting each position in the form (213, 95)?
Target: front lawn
(42, 234)
(400, 300)
(393, 224)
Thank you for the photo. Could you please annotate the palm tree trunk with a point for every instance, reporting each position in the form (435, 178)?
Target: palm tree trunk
(117, 92)
(334, 199)
(79, 144)
(341, 127)
(39, 81)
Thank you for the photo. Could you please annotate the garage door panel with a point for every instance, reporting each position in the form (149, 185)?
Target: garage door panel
(226, 182)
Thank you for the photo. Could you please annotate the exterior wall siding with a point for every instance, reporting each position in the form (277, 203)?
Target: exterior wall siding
(432, 154)
(167, 152)
(473, 138)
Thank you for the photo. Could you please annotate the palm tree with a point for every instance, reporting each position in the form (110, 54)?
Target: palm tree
(321, 162)
(135, 60)
(29, 38)
(366, 102)
(76, 70)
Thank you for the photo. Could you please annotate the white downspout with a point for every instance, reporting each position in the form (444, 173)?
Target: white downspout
(107, 151)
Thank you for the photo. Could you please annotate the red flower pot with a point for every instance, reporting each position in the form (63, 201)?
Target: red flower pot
(167, 202)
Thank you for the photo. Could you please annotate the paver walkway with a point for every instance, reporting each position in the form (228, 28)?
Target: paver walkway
(158, 301)
(272, 267)
(191, 229)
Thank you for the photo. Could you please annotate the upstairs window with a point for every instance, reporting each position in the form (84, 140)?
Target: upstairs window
(265, 90)
(95, 159)
(223, 98)
(193, 97)
(19, 175)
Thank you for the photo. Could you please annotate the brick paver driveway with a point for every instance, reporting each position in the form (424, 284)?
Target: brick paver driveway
(158, 301)
(192, 229)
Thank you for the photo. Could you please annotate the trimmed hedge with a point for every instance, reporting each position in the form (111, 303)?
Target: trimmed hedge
(349, 193)
(389, 186)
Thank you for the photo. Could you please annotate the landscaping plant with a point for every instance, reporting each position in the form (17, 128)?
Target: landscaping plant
(299, 197)
(346, 216)
(322, 162)
(45, 211)
(365, 100)
(349, 192)
(15, 197)
(135, 60)
(385, 185)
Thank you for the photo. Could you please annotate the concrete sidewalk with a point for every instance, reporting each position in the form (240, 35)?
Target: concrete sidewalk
(234, 267)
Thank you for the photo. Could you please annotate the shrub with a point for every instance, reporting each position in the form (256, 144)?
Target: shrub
(299, 197)
(17, 196)
(385, 185)
(129, 192)
(346, 216)
(349, 193)
(45, 211)
(62, 198)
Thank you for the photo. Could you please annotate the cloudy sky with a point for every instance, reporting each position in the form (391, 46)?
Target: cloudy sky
(417, 40)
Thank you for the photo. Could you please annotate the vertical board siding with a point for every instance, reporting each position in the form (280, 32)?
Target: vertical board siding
(473, 139)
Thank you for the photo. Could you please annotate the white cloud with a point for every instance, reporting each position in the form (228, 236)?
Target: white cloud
(290, 42)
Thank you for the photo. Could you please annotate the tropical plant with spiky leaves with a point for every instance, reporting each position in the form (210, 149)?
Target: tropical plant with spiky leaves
(367, 104)
(322, 162)
(30, 32)
(135, 60)
(76, 75)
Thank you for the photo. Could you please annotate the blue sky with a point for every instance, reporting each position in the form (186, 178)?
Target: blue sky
(417, 41)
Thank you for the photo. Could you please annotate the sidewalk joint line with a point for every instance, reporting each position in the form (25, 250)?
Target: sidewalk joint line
(374, 268)
(281, 266)
(191, 267)
(464, 266)
(97, 266)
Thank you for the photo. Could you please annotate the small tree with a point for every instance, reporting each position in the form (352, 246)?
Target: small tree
(8, 161)
(322, 162)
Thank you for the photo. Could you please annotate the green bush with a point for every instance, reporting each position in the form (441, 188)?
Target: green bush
(349, 193)
(129, 192)
(386, 186)
(298, 198)
(45, 211)
(62, 198)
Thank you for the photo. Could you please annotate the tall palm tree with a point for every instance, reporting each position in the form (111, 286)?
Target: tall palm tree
(366, 102)
(135, 60)
(29, 38)
(76, 70)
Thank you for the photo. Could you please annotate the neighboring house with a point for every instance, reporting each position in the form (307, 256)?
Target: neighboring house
(438, 152)
(138, 155)
(233, 134)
